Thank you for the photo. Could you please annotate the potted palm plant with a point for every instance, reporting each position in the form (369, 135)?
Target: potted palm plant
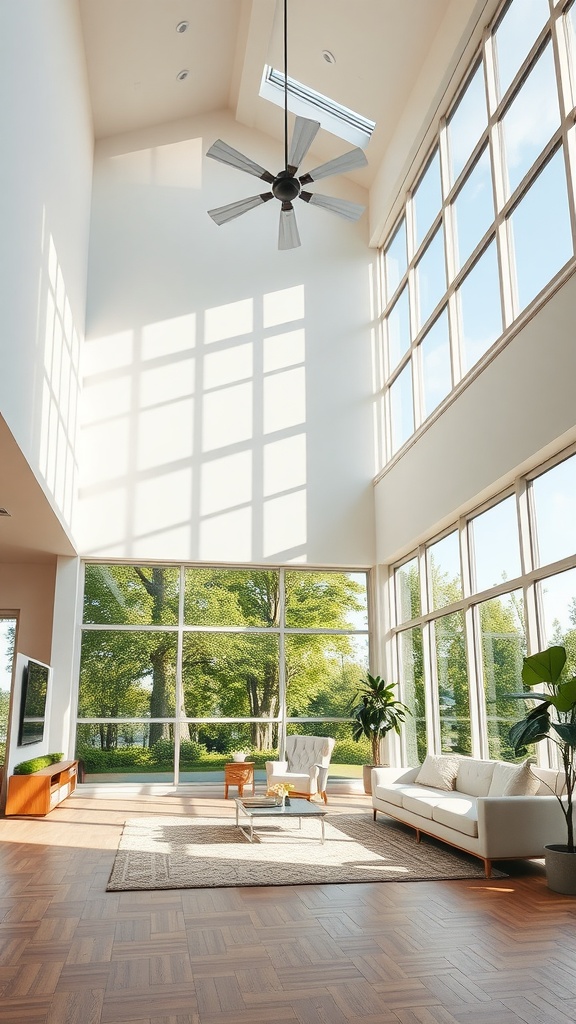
(375, 712)
(553, 718)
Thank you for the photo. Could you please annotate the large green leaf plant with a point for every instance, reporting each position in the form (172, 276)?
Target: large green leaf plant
(553, 718)
(376, 712)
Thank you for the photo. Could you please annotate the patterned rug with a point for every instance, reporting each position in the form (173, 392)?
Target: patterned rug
(195, 853)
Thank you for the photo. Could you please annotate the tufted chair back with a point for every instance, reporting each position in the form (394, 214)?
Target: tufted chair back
(304, 751)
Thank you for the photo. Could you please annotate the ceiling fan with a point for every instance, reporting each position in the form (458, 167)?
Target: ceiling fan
(286, 186)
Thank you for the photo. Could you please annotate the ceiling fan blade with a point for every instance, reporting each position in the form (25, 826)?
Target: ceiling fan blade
(222, 214)
(226, 154)
(343, 207)
(288, 237)
(302, 138)
(347, 162)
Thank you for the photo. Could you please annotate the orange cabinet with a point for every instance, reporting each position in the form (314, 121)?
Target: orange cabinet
(39, 793)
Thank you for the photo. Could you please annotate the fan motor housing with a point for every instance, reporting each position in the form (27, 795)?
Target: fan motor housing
(286, 187)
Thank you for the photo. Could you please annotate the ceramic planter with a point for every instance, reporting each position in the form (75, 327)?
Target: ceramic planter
(560, 869)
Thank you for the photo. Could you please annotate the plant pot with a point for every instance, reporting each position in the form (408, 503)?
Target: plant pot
(560, 869)
(367, 778)
(238, 756)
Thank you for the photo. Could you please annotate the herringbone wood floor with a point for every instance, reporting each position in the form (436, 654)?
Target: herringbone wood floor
(460, 952)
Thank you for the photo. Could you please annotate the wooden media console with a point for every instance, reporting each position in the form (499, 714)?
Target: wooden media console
(40, 792)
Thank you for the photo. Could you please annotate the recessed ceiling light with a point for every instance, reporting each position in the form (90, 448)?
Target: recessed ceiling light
(4, 512)
(328, 57)
(182, 75)
(182, 26)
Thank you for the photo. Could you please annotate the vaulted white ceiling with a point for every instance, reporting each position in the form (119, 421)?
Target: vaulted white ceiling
(134, 55)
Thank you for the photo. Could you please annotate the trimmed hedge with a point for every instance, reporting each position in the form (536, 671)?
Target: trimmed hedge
(36, 763)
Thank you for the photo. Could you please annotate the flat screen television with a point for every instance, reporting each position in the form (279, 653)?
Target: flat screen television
(33, 703)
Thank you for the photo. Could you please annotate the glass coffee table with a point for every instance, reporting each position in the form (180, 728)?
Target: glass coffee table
(255, 807)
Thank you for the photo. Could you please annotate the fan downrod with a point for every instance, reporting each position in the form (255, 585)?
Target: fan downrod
(286, 187)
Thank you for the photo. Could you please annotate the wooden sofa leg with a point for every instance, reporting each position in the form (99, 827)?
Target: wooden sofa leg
(374, 814)
(487, 868)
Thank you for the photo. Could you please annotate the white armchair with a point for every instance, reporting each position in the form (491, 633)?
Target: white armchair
(305, 767)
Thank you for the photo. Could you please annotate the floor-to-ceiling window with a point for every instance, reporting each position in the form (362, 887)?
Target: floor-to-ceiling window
(488, 219)
(468, 605)
(181, 666)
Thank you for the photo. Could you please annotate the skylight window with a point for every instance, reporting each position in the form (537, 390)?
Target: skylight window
(307, 102)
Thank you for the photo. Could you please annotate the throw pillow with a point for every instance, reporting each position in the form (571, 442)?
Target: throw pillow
(438, 771)
(513, 780)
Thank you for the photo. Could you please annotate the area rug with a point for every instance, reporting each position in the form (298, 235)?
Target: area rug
(194, 853)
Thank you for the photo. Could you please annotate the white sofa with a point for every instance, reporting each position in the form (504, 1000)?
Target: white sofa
(473, 805)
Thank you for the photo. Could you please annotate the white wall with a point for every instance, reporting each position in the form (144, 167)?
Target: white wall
(228, 386)
(45, 180)
(522, 404)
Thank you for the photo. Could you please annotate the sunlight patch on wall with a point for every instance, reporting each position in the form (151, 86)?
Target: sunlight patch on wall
(164, 434)
(226, 483)
(284, 525)
(60, 388)
(154, 495)
(229, 321)
(283, 307)
(284, 400)
(282, 350)
(167, 338)
(227, 537)
(228, 366)
(284, 465)
(175, 165)
(167, 382)
(227, 416)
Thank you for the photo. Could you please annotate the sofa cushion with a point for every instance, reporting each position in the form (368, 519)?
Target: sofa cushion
(422, 801)
(392, 793)
(438, 771)
(474, 776)
(513, 780)
(457, 812)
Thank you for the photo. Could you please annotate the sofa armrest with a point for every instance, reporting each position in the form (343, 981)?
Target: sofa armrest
(519, 826)
(322, 775)
(385, 776)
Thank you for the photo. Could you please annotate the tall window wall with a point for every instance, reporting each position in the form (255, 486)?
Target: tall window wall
(468, 605)
(489, 220)
(182, 666)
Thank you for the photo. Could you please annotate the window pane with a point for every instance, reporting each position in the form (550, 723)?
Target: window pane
(531, 120)
(558, 595)
(570, 21)
(554, 497)
(411, 665)
(407, 587)
(541, 231)
(503, 643)
(431, 277)
(427, 199)
(495, 545)
(401, 408)
(330, 600)
(206, 747)
(395, 259)
(515, 35)
(131, 594)
(467, 123)
(436, 364)
(323, 673)
(480, 308)
(444, 576)
(120, 752)
(231, 675)
(128, 674)
(473, 209)
(453, 698)
(229, 597)
(398, 330)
